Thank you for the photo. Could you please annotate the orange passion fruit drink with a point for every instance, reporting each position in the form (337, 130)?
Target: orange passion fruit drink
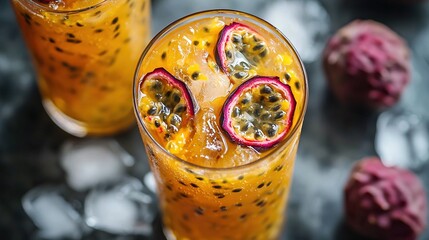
(85, 53)
(220, 98)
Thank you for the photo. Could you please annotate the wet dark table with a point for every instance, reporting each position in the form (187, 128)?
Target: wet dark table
(333, 137)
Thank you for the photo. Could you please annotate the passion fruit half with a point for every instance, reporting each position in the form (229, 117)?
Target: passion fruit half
(259, 113)
(239, 50)
(166, 104)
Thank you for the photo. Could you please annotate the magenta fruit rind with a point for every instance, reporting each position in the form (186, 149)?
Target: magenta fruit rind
(230, 103)
(164, 75)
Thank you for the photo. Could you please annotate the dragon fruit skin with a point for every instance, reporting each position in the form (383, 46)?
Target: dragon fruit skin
(367, 65)
(385, 203)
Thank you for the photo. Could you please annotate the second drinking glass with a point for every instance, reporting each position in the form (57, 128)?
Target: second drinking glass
(84, 53)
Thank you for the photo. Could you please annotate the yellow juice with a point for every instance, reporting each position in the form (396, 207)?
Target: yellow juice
(210, 186)
(85, 53)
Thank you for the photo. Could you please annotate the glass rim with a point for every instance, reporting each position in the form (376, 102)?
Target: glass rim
(172, 26)
(46, 8)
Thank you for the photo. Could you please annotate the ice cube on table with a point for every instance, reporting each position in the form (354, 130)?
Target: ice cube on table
(123, 208)
(92, 162)
(149, 182)
(305, 23)
(402, 139)
(52, 214)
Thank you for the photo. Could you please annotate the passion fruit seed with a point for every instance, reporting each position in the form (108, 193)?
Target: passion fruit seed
(259, 112)
(166, 103)
(239, 49)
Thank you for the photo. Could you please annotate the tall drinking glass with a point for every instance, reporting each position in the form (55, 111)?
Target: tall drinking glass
(210, 186)
(85, 53)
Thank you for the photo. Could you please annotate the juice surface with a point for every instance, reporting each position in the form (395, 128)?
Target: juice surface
(188, 53)
(85, 52)
(215, 191)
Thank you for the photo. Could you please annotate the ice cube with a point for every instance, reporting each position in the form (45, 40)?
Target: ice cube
(305, 23)
(208, 144)
(239, 155)
(55, 4)
(91, 162)
(149, 182)
(402, 139)
(52, 214)
(123, 208)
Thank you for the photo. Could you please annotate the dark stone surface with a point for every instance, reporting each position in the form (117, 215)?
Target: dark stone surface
(333, 136)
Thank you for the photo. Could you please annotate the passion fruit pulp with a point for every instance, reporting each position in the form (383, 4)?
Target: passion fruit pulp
(166, 105)
(239, 51)
(259, 113)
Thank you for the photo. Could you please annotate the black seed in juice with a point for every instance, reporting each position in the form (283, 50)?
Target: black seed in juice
(98, 30)
(115, 20)
(297, 85)
(196, 43)
(59, 49)
(200, 178)
(194, 185)
(258, 47)
(102, 53)
(243, 216)
(97, 13)
(279, 115)
(75, 41)
(236, 112)
(184, 195)
(163, 55)
(176, 98)
(273, 98)
(206, 29)
(180, 108)
(239, 75)
(236, 39)
(79, 24)
(261, 185)
(199, 211)
(223, 208)
(116, 35)
(51, 40)
(271, 132)
(181, 182)
(217, 186)
(70, 35)
(228, 54)
(263, 53)
(237, 190)
(152, 111)
(266, 90)
(245, 127)
(287, 76)
(244, 101)
(238, 204)
(157, 124)
(117, 28)
(276, 108)
(241, 177)
(195, 75)
(258, 134)
(207, 44)
(268, 184)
